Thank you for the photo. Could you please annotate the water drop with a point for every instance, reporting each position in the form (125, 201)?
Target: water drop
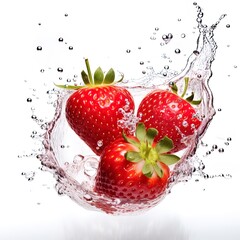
(29, 100)
(60, 39)
(42, 70)
(214, 147)
(39, 48)
(229, 139)
(66, 15)
(219, 109)
(177, 50)
(60, 69)
(143, 72)
(167, 67)
(141, 63)
(228, 26)
(183, 35)
(221, 150)
(128, 50)
(156, 28)
(179, 19)
(39, 24)
(226, 143)
(100, 143)
(153, 38)
(170, 36)
(164, 37)
(70, 47)
(87, 197)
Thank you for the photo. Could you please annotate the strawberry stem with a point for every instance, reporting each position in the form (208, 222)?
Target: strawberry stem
(89, 72)
(186, 79)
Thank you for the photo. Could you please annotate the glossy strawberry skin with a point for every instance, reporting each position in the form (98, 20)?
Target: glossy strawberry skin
(119, 178)
(93, 113)
(171, 115)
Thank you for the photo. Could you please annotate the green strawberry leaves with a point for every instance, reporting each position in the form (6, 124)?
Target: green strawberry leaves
(189, 99)
(149, 151)
(98, 78)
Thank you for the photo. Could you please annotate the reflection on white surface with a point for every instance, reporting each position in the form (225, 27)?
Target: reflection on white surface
(207, 209)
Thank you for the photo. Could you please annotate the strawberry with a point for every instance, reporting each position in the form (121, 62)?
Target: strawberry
(171, 115)
(93, 111)
(135, 169)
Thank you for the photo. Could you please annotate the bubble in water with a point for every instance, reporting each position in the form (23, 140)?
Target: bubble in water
(141, 63)
(42, 70)
(60, 69)
(128, 50)
(228, 26)
(29, 100)
(39, 48)
(183, 35)
(70, 47)
(60, 39)
(66, 15)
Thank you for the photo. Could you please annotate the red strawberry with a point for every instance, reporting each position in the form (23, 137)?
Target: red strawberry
(94, 110)
(134, 168)
(170, 114)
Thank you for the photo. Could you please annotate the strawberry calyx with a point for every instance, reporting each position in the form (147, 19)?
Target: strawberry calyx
(149, 151)
(97, 79)
(189, 99)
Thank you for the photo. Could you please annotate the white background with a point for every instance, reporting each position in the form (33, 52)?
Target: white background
(103, 30)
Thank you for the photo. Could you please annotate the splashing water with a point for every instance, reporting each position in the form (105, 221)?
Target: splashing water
(75, 167)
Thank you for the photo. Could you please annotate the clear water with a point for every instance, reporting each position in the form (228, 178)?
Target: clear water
(74, 165)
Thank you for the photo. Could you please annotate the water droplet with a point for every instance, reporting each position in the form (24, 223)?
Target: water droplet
(141, 63)
(42, 70)
(164, 37)
(226, 143)
(153, 38)
(177, 50)
(143, 72)
(60, 69)
(219, 109)
(156, 28)
(221, 150)
(170, 36)
(228, 26)
(235, 66)
(229, 139)
(179, 19)
(214, 147)
(39, 48)
(60, 39)
(167, 67)
(66, 15)
(185, 123)
(183, 35)
(29, 100)
(70, 47)
(39, 24)
(100, 143)
(128, 50)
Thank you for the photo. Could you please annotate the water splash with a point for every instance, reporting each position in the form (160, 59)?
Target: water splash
(75, 167)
